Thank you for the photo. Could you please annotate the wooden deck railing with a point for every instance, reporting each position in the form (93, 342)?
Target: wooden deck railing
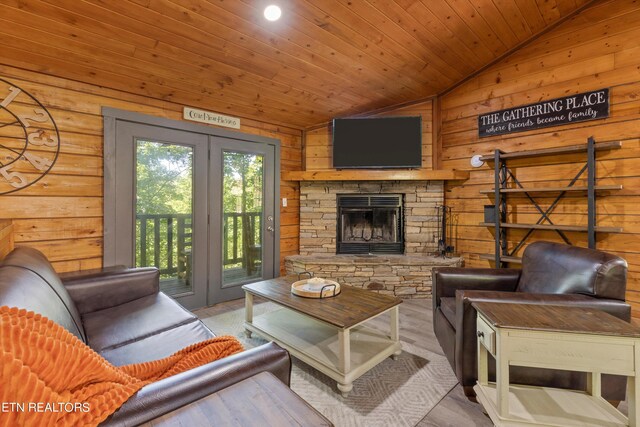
(233, 241)
(165, 240)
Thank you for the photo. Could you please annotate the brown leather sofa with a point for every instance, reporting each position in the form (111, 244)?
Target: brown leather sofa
(552, 274)
(122, 315)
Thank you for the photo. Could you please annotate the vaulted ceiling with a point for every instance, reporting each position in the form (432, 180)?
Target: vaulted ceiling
(322, 59)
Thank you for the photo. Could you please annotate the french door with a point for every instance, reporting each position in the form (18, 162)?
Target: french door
(243, 225)
(200, 208)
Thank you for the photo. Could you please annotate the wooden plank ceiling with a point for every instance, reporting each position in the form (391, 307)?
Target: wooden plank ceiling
(322, 59)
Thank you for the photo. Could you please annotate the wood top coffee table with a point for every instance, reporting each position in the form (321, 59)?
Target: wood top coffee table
(326, 333)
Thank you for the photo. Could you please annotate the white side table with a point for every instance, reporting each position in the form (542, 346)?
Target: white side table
(554, 337)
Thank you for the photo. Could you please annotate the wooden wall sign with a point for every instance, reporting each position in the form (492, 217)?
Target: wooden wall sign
(210, 118)
(560, 111)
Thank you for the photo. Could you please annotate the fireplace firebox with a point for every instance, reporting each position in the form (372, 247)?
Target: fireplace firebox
(370, 224)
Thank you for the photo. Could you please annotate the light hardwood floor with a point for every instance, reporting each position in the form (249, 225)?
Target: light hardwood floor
(416, 327)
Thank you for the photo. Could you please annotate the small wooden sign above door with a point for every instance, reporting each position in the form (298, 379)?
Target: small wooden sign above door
(210, 118)
(555, 112)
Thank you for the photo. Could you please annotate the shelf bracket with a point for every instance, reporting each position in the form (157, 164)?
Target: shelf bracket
(549, 210)
(545, 214)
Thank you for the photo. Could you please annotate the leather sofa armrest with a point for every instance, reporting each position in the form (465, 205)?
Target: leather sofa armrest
(169, 394)
(466, 345)
(94, 272)
(95, 290)
(447, 280)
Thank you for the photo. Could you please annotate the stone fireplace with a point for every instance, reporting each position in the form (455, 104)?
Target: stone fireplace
(370, 224)
(405, 273)
(319, 212)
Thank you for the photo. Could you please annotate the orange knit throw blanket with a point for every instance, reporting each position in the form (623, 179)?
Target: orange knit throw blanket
(49, 377)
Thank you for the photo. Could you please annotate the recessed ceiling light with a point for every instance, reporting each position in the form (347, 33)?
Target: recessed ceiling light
(272, 12)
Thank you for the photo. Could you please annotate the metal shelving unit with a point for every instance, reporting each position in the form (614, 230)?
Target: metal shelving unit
(503, 177)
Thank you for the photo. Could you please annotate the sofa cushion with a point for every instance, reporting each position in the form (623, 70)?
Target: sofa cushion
(158, 346)
(34, 261)
(23, 288)
(134, 321)
(553, 268)
(448, 308)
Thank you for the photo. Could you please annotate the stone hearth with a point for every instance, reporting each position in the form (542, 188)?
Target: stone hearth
(408, 275)
(405, 276)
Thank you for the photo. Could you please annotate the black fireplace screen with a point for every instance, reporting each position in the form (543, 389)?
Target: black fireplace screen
(370, 224)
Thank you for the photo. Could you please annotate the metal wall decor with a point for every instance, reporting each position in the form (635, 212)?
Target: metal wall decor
(29, 139)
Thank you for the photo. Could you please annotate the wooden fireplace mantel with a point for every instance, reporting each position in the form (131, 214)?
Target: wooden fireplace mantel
(376, 175)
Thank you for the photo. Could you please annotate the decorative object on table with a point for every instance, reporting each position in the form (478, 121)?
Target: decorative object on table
(315, 287)
(35, 139)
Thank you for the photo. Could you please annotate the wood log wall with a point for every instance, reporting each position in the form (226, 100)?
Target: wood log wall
(596, 49)
(6, 237)
(62, 214)
(318, 146)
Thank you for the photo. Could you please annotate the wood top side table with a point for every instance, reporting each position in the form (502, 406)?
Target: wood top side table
(555, 337)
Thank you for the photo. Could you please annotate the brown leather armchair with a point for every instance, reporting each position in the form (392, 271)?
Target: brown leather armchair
(552, 274)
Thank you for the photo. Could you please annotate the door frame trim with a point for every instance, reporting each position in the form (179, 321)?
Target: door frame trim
(111, 116)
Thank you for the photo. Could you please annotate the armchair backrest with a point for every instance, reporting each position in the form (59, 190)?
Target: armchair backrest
(553, 268)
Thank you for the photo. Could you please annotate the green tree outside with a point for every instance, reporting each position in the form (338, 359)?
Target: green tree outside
(164, 186)
(242, 196)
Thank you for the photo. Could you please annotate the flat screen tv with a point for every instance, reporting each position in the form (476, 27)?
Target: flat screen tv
(384, 142)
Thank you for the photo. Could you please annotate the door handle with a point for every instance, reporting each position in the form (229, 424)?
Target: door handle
(270, 228)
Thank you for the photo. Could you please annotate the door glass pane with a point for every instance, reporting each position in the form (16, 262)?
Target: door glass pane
(164, 213)
(242, 204)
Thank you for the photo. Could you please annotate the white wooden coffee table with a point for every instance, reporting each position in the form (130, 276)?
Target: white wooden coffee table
(566, 338)
(328, 334)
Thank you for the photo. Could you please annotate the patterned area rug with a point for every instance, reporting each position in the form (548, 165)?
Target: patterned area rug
(394, 393)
